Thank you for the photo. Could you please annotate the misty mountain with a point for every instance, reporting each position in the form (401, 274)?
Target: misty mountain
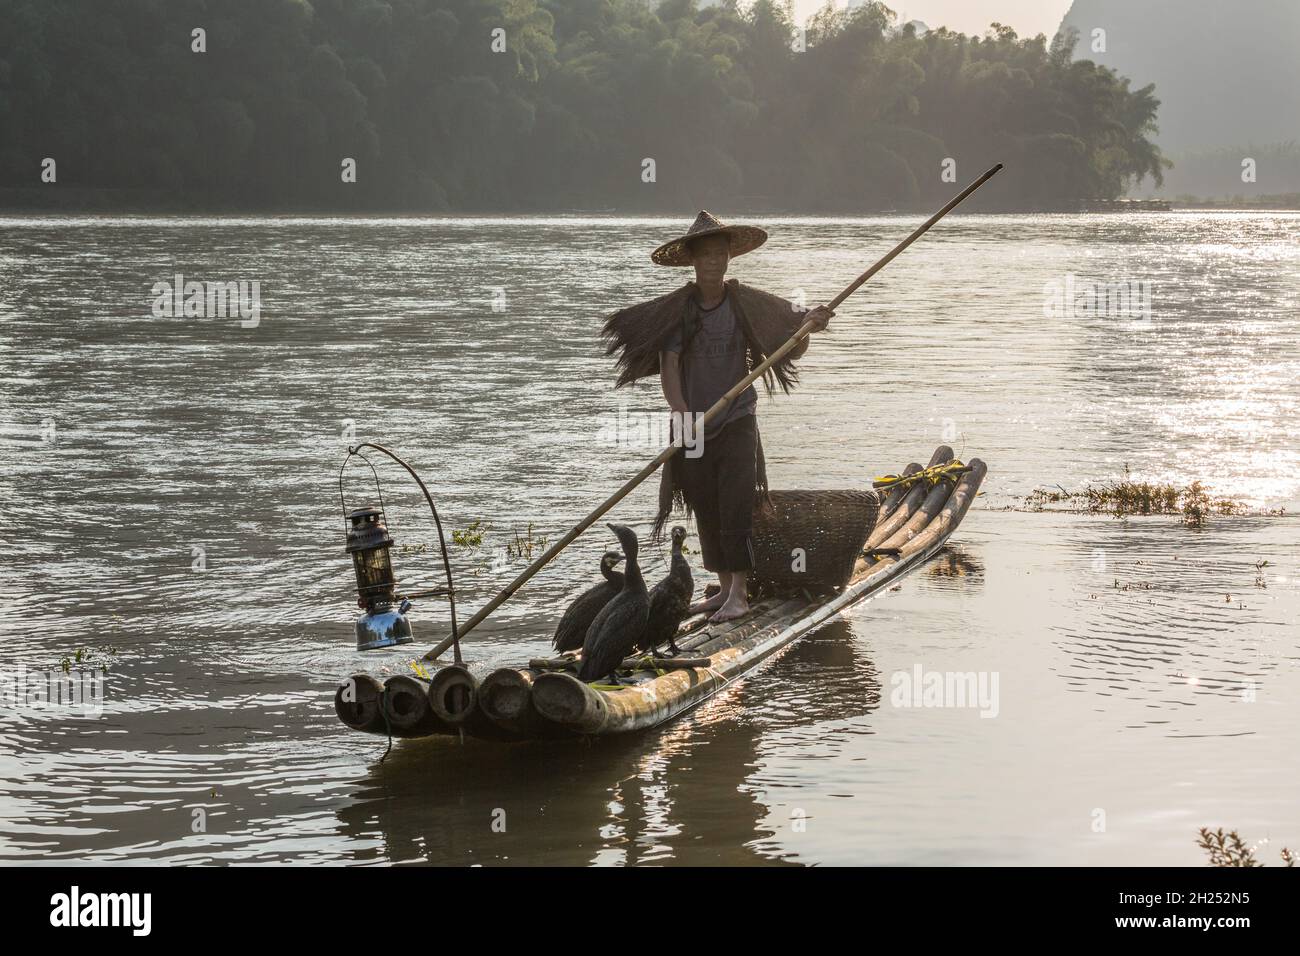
(1226, 73)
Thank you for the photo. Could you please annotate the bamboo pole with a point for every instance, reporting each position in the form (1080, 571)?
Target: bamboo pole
(718, 407)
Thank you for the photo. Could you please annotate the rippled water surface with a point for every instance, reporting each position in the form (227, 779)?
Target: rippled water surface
(1147, 674)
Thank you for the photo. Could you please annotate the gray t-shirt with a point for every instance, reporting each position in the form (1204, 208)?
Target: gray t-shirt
(715, 363)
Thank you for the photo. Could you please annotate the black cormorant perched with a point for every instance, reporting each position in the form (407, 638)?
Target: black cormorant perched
(572, 629)
(618, 627)
(669, 600)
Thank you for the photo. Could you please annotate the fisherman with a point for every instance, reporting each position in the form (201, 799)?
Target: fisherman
(701, 340)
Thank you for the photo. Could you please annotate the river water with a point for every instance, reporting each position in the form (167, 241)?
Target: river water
(171, 510)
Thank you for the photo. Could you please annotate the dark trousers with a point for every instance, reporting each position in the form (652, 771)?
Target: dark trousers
(719, 487)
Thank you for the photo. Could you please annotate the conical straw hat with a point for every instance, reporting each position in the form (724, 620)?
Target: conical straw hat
(675, 252)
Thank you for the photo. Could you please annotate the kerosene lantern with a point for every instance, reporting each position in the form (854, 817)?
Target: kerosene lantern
(383, 625)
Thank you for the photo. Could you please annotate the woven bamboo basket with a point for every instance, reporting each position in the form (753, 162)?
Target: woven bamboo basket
(829, 527)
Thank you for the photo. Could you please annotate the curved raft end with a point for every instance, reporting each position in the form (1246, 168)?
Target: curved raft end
(904, 501)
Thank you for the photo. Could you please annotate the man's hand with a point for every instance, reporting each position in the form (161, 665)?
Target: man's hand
(820, 315)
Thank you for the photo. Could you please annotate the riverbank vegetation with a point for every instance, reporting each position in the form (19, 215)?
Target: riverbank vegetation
(546, 105)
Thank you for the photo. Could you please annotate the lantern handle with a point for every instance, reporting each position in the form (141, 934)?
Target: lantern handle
(378, 490)
(442, 541)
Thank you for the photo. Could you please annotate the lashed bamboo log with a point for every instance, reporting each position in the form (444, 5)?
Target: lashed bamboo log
(504, 694)
(954, 510)
(762, 611)
(357, 703)
(407, 708)
(505, 697)
(901, 514)
(911, 498)
(935, 499)
(453, 693)
(896, 494)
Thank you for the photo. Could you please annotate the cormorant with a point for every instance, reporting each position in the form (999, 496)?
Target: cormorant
(618, 627)
(572, 629)
(669, 600)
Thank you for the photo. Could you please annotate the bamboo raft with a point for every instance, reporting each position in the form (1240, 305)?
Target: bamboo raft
(545, 699)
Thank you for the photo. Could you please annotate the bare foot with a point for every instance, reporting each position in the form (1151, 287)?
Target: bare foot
(707, 605)
(732, 609)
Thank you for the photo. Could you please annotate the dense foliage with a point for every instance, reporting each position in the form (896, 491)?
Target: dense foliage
(585, 91)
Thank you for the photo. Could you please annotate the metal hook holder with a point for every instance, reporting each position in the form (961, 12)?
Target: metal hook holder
(450, 590)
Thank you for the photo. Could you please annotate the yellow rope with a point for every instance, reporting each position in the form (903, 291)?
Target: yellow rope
(648, 663)
(645, 663)
(950, 470)
(415, 666)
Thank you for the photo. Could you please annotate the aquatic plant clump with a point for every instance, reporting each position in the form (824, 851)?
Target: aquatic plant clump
(1128, 497)
(1230, 850)
(94, 658)
(470, 537)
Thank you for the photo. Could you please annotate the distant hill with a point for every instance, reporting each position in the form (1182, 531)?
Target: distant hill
(1227, 72)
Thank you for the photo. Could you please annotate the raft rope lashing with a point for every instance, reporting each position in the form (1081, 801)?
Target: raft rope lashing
(720, 676)
(628, 670)
(879, 553)
(948, 471)
(388, 727)
(648, 663)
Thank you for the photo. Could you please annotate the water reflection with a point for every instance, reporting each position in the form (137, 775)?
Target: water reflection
(682, 794)
(1171, 614)
(178, 437)
(958, 563)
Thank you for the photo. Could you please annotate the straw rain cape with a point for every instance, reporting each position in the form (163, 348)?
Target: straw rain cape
(639, 332)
